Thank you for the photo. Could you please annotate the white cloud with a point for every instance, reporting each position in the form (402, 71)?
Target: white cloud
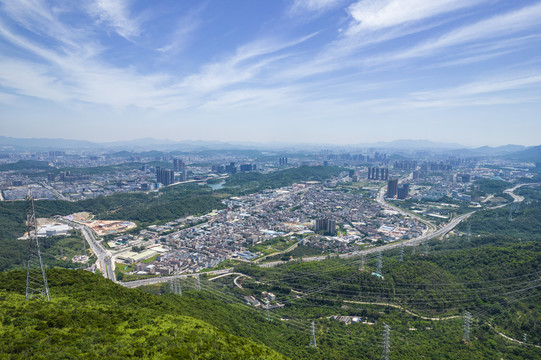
(266, 73)
(494, 27)
(485, 87)
(314, 5)
(31, 80)
(380, 14)
(116, 14)
(373, 15)
(182, 35)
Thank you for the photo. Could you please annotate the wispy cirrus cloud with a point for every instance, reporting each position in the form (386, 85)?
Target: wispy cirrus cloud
(510, 89)
(504, 25)
(77, 74)
(313, 5)
(115, 14)
(265, 68)
(372, 15)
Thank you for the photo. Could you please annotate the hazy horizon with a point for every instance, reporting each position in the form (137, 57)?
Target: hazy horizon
(340, 72)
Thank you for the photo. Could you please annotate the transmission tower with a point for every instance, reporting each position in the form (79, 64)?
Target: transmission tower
(378, 268)
(402, 252)
(467, 325)
(524, 339)
(175, 287)
(468, 232)
(267, 310)
(511, 207)
(362, 263)
(313, 337)
(198, 283)
(36, 280)
(426, 247)
(386, 342)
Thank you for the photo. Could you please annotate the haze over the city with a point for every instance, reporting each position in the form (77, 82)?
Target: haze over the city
(307, 71)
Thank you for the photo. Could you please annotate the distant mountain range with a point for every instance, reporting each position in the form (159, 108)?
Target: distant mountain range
(413, 145)
(532, 153)
(8, 144)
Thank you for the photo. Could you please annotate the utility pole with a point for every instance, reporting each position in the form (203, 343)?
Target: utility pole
(378, 268)
(313, 337)
(36, 279)
(467, 325)
(386, 342)
(402, 252)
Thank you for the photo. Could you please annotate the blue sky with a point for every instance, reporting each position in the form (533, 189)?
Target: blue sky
(309, 71)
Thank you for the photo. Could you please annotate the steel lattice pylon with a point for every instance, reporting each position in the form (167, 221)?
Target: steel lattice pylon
(36, 280)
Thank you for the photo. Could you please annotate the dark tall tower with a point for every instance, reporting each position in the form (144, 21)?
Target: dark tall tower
(403, 192)
(392, 188)
(179, 165)
(165, 176)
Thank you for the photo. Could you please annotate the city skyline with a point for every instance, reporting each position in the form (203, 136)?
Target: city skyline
(300, 71)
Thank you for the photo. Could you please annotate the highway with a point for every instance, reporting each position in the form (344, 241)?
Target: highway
(159, 280)
(104, 257)
(55, 192)
(516, 198)
(381, 199)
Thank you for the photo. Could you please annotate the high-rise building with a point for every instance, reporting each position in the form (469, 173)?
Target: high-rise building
(326, 225)
(178, 165)
(165, 176)
(247, 167)
(282, 161)
(375, 173)
(231, 168)
(466, 178)
(403, 192)
(50, 177)
(392, 188)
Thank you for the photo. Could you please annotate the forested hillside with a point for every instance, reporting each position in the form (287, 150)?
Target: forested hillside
(90, 317)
